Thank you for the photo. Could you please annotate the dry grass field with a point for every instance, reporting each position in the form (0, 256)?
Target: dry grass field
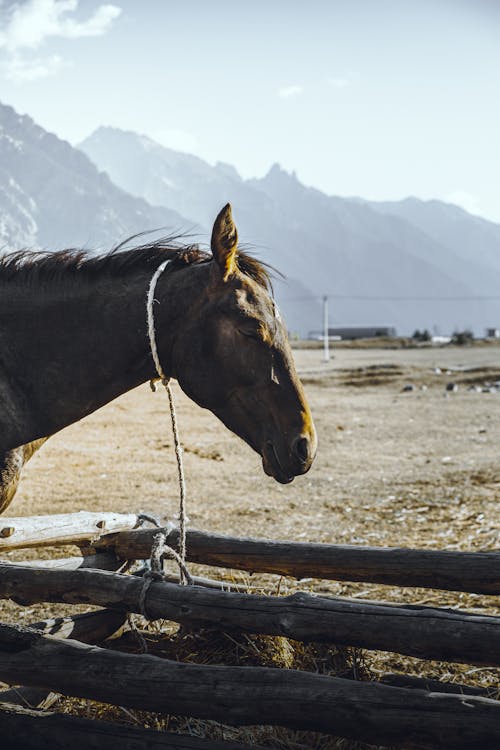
(418, 468)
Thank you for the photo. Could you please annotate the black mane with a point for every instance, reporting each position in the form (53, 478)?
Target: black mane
(36, 266)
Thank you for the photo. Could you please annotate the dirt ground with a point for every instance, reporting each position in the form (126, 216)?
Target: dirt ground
(393, 467)
(401, 468)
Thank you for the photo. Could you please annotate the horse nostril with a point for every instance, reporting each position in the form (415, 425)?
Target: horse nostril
(301, 449)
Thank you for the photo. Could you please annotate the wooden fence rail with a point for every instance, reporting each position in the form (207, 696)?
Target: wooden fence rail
(101, 561)
(474, 572)
(43, 730)
(251, 695)
(65, 528)
(411, 712)
(425, 632)
(109, 561)
(90, 627)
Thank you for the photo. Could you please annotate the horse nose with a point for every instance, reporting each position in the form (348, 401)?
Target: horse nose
(302, 451)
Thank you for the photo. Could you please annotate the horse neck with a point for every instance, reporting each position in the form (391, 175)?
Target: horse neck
(77, 346)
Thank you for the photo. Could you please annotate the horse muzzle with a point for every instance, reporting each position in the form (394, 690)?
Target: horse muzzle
(283, 465)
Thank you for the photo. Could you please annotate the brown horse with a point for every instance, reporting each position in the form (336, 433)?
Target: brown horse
(73, 336)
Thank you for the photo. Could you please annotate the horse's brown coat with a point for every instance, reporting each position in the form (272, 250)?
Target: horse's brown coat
(73, 337)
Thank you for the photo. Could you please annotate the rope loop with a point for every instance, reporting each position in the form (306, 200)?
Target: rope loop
(159, 548)
(165, 381)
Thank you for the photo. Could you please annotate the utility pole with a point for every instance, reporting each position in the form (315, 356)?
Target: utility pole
(326, 339)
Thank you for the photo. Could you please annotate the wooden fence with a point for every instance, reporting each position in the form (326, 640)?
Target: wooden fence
(59, 656)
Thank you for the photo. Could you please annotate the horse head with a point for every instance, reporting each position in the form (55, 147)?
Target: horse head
(232, 356)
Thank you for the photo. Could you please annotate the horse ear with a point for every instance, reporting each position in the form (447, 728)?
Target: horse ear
(224, 242)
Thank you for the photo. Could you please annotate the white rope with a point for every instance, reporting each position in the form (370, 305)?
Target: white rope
(177, 442)
(182, 490)
(151, 320)
(159, 547)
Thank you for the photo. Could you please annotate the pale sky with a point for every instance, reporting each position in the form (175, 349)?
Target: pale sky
(376, 98)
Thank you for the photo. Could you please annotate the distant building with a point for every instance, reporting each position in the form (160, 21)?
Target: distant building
(441, 339)
(355, 332)
(493, 333)
(362, 332)
(318, 336)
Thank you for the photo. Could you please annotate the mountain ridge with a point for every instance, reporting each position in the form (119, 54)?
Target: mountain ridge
(398, 263)
(53, 196)
(345, 247)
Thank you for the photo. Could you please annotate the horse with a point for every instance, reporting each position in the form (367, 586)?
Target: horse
(74, 336)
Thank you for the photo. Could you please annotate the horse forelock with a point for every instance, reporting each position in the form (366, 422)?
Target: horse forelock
(255, 269)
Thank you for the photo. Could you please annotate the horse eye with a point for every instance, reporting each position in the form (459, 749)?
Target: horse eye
(250, 335)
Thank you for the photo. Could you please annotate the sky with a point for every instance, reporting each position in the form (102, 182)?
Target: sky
(381, 99)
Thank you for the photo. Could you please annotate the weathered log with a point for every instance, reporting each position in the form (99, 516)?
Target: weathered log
(43, 730)
(100, 561)
(90, 627)
(251, 695)
(56, 530)
(109, 561)
(413, 630)
(475, 572)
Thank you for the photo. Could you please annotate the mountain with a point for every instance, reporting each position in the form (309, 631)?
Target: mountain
(52, 196)
(470, 237)
(411, 264)
(198, 191)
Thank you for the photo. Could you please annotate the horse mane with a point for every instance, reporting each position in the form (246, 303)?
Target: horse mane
(38, 266)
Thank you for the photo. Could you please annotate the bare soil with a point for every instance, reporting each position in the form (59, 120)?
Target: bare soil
(416, 468)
